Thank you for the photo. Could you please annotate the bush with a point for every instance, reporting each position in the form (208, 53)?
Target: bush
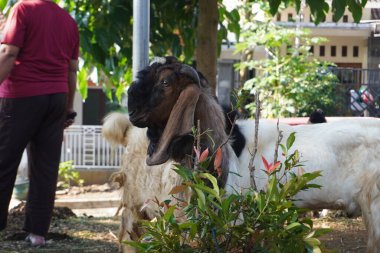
(68, 175)
(256, 221)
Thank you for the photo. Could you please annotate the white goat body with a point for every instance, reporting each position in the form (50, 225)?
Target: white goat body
(346, 151)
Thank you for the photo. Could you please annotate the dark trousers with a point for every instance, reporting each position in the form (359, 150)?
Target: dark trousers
(37, 121)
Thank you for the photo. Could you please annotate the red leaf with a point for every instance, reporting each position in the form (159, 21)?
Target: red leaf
(270, 167)
(178, 189)
(276, 165)
(266, 164)
(204, 155)
(218, 158)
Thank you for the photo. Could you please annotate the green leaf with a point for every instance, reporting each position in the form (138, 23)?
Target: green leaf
(274, 4)
(314, 242)
(3, 4)
(82, 83)
(290, 140)
(338, 8)
(226, 204)
(201, 199)
(293, 226)
(191, 226)
(184, 172)
(213, 181)
(169, 213)
(207, 189)
(356, 9)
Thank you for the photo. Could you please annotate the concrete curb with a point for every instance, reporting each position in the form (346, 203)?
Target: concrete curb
(87, 203)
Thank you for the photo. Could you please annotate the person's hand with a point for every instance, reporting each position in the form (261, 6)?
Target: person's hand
(70, 118)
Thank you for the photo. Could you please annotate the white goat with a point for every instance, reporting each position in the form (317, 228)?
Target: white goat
(142, 184)
(348, 154)
(346, 151)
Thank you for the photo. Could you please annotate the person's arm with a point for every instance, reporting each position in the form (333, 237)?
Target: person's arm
(72, 84)
(8, 55)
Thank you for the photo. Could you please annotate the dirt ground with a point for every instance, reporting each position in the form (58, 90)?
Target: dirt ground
(70, 233)
(347, 236)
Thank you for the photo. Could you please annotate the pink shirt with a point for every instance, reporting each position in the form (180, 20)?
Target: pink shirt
(48, 39)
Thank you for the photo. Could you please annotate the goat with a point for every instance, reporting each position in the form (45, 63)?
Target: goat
(169, 97)
(347, 153)
(142, 184)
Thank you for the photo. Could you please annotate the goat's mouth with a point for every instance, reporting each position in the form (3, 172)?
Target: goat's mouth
(137, 119)
(157, 159)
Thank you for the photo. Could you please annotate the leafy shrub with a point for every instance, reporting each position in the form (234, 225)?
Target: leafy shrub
(68, 175)
(255, 221)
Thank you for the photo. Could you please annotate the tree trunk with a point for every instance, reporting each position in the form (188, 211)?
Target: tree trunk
(207, 32)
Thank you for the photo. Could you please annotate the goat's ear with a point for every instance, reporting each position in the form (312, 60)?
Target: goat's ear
(179, 124)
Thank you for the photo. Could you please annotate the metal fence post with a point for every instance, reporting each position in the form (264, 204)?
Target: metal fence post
(140, 60)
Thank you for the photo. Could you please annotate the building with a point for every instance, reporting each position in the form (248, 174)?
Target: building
(353, 47)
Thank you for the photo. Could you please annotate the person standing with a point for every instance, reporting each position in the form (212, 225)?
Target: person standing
(38, 71)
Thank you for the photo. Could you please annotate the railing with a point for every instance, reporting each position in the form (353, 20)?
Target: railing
(86, 147)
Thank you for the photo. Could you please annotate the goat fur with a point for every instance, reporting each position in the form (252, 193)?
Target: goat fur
(141, 184)
(347, 153)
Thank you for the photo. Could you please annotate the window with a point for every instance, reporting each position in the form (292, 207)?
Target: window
(311, 50)
(333, 51)
(344, 51)
(345, 19)
(290, 17)
(321, 50)
(278, 17)
(355, 51)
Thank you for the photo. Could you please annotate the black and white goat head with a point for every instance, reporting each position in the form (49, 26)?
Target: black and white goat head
(169, 98)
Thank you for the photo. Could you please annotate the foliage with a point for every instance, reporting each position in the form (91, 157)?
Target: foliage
(106, 32)
(106, 36)
(68, 175)
(254, 221)
(319, 8)
(290, 81)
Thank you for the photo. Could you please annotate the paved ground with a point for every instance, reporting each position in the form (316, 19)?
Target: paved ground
(97, 204)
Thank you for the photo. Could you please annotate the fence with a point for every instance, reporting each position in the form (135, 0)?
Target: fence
(86, 147)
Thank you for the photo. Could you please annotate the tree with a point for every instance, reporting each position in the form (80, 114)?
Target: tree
(106, 33)
(206, 52)
(290, 82)
(319, 8)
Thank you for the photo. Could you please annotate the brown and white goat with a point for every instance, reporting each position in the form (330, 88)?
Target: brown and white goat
(169, 99)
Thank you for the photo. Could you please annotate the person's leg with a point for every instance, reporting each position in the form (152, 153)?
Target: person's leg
(45, 151)
(17, 123)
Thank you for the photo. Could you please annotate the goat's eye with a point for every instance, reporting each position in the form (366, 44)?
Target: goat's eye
(165, 82)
